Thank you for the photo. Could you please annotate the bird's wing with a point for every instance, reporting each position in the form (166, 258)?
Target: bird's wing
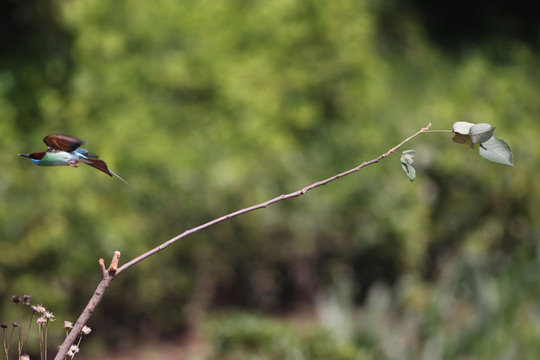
(62, 142)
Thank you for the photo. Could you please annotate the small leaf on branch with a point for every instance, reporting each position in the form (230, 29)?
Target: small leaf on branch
(496, 150)
(409, 170)
(462, 139)
(408, 156)
(462, 127)
(480, 133)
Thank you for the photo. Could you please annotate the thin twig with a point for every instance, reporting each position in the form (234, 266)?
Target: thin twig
(439, 131)
(267, 203)
(110, 274)
(6, 348)
(29, 326)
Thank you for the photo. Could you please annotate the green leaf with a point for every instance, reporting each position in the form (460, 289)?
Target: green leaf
(496, 150)
(480, 133)
(408, 156)
(409, 170)
(462, 127)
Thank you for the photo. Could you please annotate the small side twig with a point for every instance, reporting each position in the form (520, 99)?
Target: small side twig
(103, 268)
(113, 270)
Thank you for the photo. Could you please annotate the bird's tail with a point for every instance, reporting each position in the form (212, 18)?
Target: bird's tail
(101, 166)
(118, 176)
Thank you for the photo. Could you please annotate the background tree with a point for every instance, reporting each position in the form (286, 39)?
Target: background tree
(205, 108)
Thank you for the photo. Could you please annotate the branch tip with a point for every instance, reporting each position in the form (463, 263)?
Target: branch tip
(114, 263)
(102, 267)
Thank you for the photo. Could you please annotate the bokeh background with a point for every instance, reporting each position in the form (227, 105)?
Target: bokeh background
(206, 107)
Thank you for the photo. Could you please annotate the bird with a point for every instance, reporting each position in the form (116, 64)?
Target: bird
(64, 150)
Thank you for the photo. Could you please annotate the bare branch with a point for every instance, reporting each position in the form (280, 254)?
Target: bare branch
(108, 276)
(113, 270)
(267, 203)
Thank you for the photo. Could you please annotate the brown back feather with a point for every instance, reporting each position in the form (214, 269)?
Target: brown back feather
(62, 142)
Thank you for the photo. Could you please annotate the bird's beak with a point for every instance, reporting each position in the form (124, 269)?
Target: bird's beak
(25, 155)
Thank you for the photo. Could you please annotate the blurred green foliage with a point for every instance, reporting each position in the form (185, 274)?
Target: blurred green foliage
(248, 336)
(205, 108)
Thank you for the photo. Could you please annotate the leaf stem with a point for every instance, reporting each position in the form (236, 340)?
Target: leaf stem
(438, 131)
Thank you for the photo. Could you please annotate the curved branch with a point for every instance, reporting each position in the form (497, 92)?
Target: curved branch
(113, 271)
(266, 203)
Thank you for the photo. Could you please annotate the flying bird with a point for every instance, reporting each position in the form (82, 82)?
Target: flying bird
(64, 150)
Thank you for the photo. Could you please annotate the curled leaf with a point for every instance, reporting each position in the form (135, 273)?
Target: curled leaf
(462, 127)
(480, 133)
(462, 139)
(409, 170)
(408, 156)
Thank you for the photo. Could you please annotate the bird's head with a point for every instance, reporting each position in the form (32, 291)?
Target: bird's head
(34, 156)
